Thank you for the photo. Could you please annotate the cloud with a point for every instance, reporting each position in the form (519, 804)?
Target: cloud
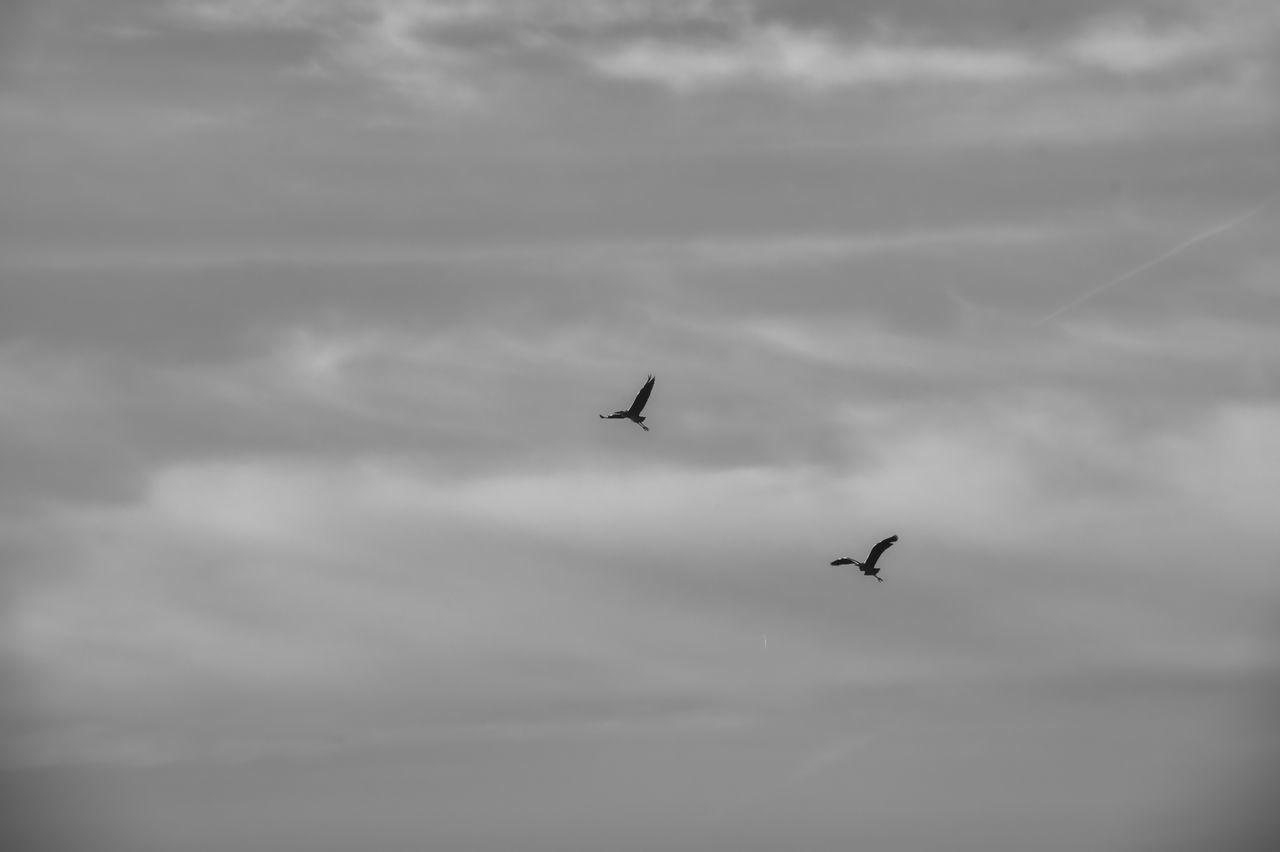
(810, 61)
(956, 80)
(1127, 46)
(822, 249)
(304, 602)
(1127, 43)
(454, 52)
(221, 365)
(378, 542)
(339, 577)
(332, 594)
(306, 509)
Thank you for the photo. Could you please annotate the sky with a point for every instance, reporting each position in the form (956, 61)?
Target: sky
(310, 536)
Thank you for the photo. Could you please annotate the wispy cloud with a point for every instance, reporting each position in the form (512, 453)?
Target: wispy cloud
(432, 49)
(444, 52)
(304, 486)
(1127, 43)
(814, 249)
(1190, 69)
(828, 756)
(776, 55)
(800, 249)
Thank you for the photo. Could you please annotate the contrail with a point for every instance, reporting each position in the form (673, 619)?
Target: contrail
(827, 757)
(1173, 252)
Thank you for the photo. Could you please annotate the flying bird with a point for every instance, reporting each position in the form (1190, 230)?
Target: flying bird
(869, 567)
(633, 413)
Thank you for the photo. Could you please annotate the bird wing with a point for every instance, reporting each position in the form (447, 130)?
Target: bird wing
(880, 548)
(843, 560)
(641, 398)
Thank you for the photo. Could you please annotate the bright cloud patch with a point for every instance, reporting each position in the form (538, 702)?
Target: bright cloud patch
(814, 61)
(1128, 44)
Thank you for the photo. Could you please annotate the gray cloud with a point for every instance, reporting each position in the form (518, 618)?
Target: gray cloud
(311, 533)
(450, 53)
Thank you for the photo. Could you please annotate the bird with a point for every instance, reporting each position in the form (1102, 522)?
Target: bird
(633, 413)
(869, 567)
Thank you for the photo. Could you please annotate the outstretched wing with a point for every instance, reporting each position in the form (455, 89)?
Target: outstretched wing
(843, 560)
(641, 398)
(880, 548)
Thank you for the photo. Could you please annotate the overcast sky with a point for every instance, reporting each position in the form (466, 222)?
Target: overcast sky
(310, 536)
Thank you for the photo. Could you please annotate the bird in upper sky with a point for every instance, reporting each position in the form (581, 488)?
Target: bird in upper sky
(633, 413)
(869, 567)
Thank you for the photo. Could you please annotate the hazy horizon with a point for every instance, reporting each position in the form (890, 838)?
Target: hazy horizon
(312, 538)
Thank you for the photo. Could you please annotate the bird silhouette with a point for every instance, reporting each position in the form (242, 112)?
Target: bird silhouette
(869, 567)
(633, 413)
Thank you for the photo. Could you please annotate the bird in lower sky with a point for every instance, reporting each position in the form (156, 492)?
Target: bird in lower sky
(633, 413)
(869, 567)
